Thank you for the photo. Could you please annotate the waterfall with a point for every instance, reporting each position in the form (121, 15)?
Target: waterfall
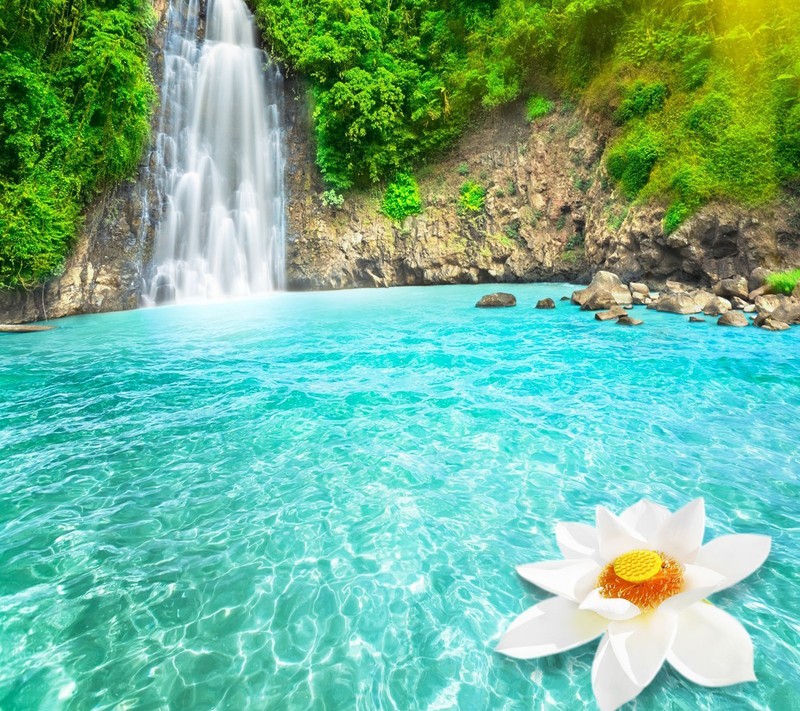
(217, 159)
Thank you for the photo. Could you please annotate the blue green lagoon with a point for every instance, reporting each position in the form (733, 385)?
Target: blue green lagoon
(317, 500)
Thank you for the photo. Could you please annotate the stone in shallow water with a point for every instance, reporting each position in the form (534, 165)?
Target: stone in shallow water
(499, 299)
(603, 284)
(545, 304)
(694, 319)
(629, 321)
(612, 313)
(733, 318)
(770, 324)
(20, 328)
(717, 306)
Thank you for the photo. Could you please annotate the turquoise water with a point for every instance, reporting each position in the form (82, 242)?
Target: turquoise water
(316, 501)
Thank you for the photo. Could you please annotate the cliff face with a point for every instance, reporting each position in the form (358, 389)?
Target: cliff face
(550, 214)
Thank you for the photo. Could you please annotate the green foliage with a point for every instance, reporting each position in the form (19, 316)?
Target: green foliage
(538, 107)
(75, 103)
(631, 161)
(640, 100)
(463, 169)
(401, 198)
(330, 198)
(784, 282)
(472, 197)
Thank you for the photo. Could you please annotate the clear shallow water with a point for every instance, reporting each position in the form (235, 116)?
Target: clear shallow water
(318, 500)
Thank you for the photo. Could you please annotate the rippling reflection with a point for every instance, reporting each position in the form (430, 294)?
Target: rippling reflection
(318, 500)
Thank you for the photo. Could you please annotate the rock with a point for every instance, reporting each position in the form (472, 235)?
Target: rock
(717, 306)
(18, 328)
(677, 303)
(767, 303)
(733, 318)
(675, 287)
(733, 286)
(603, 282)
(757, 277)
(788, 312)
(770, 324)
(497, 300)
(694, 319)
(545, 304)
(564, 298)
(796, 291)
(612, 313)
(766, 289)
(598, 300)
(701, 297)
(738, 303)
(629, 321)
(637, 287)
(749, 309)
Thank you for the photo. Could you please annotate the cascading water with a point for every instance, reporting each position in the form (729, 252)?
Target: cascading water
(218, 160)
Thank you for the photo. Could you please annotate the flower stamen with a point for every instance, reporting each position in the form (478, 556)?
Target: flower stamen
(645, 578)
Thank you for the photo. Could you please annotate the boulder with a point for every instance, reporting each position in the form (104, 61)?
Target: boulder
(20, 328)
(564, 298)
(676, 287)
(612, 313)
(603, 282)
(694, 319)
(757, 276)
(545, 304)
(770, 324)
(629, 321)
(749, 309)
(733, 286)
(637, 287)
(767, 303)
(716, 306)
(755, 293)
(733, 318)
(678, 304)
(738, 303)
(788, 312)
(497, 300)
(702, 298)
(598, 300)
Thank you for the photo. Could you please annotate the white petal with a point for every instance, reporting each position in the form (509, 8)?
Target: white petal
(682, 534)
(711, 647)
(572, 579)
(735, 557)
(646, 518)
(611, 608)
(576, 540)
(552, 626)
(699, 582)
(612, 686)
(615, 537)
(641, 644)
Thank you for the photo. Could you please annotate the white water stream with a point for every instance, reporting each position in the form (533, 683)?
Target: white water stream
(218, 160)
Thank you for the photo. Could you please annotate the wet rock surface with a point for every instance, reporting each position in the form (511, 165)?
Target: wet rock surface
(498, 300)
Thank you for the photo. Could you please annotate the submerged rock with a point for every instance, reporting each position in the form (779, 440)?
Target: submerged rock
(498, 300)
(733, 318)
(629, 321)
(612, 313)
(599, 300)
(545, 304)
(19, 328)
(694, 319)
(770, 324)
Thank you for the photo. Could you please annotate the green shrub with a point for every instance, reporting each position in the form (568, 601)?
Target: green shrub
(472, 197)
(538, 107)
(675, 216)
(401, 198)
(463, 169)
(640, 100)
(784, 282)
(331, 198)
(710, 116)
(631, 162)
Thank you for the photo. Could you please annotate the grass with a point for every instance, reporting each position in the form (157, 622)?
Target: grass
(784, 282)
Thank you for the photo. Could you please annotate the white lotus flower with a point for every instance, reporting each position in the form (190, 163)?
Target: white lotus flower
(640, 580)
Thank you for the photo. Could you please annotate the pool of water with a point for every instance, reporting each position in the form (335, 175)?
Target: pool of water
(316, 501)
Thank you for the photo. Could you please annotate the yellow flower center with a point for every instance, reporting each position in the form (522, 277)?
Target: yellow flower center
(638, 566)
(645, 578)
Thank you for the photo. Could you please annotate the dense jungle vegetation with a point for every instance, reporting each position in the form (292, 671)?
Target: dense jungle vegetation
(704, 94)
(75, 102)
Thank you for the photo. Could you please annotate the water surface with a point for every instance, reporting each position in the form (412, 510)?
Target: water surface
(316, 501)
